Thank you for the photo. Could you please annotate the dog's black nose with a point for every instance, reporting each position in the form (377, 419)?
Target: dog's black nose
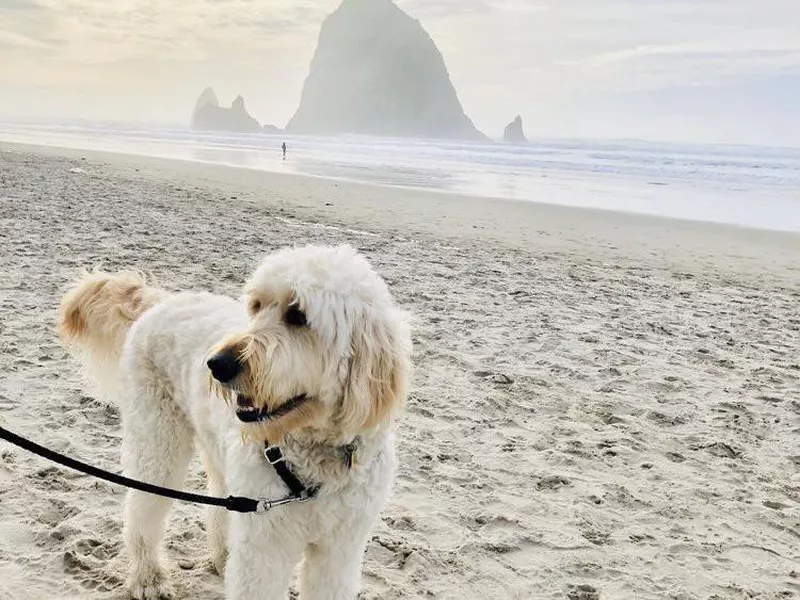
(225, 366)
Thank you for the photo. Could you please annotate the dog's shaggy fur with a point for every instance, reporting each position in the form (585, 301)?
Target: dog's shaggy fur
(316, 321)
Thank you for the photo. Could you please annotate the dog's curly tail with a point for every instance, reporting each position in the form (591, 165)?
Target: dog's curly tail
(96, 314)
(98, 310)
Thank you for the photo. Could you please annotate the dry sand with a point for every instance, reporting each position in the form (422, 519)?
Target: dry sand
(605, 406)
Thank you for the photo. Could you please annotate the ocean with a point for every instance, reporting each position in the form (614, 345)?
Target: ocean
(741, 185)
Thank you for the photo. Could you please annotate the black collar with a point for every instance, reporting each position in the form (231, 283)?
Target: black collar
(257, 415)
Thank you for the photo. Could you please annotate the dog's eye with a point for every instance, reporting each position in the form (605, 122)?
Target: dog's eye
(295, 316)
(254, 306)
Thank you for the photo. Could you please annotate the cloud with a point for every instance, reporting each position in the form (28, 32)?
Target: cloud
(667, 51)
(20, 5)
(701, 63)
(17, 40)
(94, 31)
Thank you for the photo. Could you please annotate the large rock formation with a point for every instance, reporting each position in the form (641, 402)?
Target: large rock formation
(514, 133)
(207, 96)
(377, 72)
(209, 115)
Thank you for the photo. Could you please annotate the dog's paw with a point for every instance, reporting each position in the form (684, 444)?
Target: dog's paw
(150, 586)
(157, 591)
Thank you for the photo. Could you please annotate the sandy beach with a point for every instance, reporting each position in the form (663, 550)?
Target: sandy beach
(604, 405)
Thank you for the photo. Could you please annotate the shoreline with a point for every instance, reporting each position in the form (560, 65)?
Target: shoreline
(516, 223)
(752, 189)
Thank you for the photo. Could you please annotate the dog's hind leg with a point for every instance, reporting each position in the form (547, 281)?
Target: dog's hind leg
(216, 518)
(157, 446)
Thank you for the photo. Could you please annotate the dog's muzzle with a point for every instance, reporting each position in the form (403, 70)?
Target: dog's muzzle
(225, 366)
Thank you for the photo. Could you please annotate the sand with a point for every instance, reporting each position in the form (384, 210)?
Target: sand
(605, 405)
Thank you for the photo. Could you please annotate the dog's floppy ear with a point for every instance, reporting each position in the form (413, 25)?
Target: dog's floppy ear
(378, 374)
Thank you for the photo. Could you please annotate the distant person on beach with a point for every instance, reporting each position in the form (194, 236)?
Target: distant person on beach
(283, 147)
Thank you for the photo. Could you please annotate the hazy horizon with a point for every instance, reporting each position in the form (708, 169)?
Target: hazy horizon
(682, 70)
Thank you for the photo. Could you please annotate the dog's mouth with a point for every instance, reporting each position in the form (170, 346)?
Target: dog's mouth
(244, 402)
(247, 412)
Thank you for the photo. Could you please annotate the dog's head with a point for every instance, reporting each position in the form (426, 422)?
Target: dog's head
(325, 348)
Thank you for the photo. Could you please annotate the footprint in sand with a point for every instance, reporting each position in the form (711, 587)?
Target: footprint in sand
(582, 591)
(552, 482)
(90, 573)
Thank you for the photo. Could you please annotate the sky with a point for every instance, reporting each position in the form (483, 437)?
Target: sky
(688, 70)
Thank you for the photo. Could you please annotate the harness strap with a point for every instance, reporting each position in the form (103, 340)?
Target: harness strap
(275, 457)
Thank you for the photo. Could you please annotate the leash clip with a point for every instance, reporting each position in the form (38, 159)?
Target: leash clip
(265, 505)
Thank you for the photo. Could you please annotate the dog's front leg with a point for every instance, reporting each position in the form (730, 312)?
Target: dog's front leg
(332, 569)
(216, 518)
(263, 551)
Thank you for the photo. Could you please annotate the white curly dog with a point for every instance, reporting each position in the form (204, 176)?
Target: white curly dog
(317, 347)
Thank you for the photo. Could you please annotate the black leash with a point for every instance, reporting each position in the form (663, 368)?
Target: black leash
(299, 492)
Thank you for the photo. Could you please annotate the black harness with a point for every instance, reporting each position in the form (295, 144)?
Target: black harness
(298, 491)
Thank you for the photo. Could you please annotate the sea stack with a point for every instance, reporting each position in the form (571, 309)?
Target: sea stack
(210, 116)
(376, 71)
(514, 133)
